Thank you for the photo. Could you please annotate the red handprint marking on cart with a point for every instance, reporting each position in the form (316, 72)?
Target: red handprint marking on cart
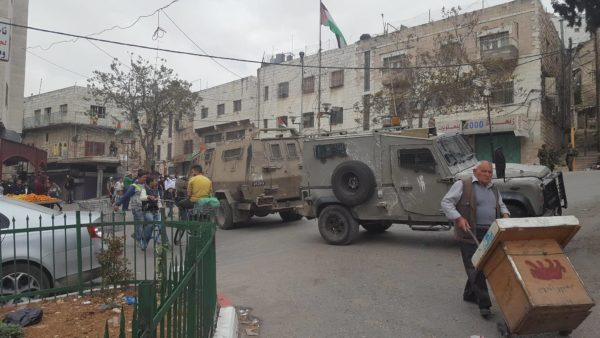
(554, 269)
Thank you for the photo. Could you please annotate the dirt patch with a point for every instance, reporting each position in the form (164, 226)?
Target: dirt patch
(75, 316)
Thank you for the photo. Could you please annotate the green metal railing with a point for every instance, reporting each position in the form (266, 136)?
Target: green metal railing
(174, 285)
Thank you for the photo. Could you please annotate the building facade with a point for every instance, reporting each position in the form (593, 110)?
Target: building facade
(82, 136)
(12, 64)
(519, 36)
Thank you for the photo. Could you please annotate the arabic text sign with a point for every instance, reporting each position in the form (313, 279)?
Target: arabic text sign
(4, 40)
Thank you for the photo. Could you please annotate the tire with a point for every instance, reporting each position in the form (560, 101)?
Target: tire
(376, 227)
(224, 216)
(337, 226)
(353, 182)
(517, 211)
(23, 277)
(290, 216)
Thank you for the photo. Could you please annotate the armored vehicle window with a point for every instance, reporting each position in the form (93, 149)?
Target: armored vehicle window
(291, 149)
(417, 159)
(232, 154)
(275, 151)
(208, 155)
(323, 151)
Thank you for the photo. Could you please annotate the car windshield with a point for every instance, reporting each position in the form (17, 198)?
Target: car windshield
(455, 149)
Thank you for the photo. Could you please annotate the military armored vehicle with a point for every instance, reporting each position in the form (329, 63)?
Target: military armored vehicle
(256, 176)
(375, 179)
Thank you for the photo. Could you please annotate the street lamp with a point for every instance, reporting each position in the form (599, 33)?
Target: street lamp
(301, 124)
(487, 93)
(325, 111)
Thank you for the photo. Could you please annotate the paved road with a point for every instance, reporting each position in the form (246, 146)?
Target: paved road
(399, 284)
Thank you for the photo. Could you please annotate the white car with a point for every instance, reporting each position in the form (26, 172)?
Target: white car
(34, 260)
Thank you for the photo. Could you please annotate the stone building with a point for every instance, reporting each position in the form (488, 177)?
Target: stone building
(12, 67)
(82, 136)
(584, 94)
(518, 35)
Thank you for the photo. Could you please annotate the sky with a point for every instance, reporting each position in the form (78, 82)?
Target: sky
(245, 29)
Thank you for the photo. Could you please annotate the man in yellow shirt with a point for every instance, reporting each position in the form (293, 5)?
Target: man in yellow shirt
(199, 186)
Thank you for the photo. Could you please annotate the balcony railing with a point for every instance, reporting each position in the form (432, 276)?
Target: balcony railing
(59, 118)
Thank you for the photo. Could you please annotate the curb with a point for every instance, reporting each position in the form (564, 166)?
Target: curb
(227, 321)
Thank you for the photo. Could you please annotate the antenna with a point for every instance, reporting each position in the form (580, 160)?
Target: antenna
(40, 90)
(384, 25)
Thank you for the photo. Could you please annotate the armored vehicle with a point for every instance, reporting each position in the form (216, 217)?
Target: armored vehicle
(256, 176)
(376, 179)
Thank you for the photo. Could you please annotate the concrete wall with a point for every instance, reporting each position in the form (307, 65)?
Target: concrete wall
(12, 73)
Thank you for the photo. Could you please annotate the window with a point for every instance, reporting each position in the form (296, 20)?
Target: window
(208, 155)
(493, 41)
(37, 115)
(231, 154)
(275, 151)
(266, 94)
(204, 113)
(6, 96)
(212, 138)
(291, 150)
(235, 135)
(265, 123)
(308, 120)
(220, 109)
(336, 115)
(188, 146)
(62, 109)
(337, 78)
(176, 123)
(283, 89)
(416, 159)
(94, 148)
(282, 121)
(170, 125)
(237, 105)
(98, 111)
(158, 153)
(503, 93)
(396, 61)
(169, 151)
(308, 85)
(324, 151)
(48, 111)
(367, 72)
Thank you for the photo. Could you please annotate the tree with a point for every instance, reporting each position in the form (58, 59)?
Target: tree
(149, 94)
(574, 11)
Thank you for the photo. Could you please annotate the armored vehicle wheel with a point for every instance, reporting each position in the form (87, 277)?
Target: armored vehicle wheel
(376, 227)
(224, 215)
(289, 216)
(516, 211)
(337, 226)
(353, 182)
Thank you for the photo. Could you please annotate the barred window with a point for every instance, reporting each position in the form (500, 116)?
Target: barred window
(237, 105)
(204, 113)
(220, 109)
(283, 89)
(308, 85)
(503, 93)
(337, 78)
(493, 41)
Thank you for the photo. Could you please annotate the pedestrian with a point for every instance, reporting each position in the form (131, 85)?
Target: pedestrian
(118, 189)
(69, 188)
(151, 205)
(54, 191)
(110, 187)
(543, 155)
(199, 186)
(169, 199)
(133, 197)
(473, 204)
(127, 181)
(161, 186)
(571, 154)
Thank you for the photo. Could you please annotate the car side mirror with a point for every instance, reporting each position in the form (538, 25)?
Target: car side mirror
(500, 162)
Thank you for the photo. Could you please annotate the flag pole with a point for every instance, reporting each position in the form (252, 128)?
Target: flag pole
(319, 88)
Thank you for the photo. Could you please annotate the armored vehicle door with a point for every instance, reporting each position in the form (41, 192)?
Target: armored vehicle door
(416, 176)
(281, 171)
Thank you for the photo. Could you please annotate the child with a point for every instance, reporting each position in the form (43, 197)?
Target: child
(150, 205)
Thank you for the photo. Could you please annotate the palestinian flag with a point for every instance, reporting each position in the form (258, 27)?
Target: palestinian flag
(327, 20)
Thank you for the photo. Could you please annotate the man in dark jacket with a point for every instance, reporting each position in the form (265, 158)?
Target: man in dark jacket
(473, 204)
(69, 187)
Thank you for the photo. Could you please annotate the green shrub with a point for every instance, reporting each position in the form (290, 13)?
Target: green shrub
(11, 331)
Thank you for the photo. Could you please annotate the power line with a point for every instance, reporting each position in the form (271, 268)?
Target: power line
(54, 64)
(106, 29)
(200, 48)
(173, 51)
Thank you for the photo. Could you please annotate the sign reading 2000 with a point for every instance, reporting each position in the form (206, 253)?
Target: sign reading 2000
(474, 124)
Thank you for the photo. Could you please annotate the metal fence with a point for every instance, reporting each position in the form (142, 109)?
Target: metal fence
(174, 285)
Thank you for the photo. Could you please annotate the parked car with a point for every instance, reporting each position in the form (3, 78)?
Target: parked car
(33, 259)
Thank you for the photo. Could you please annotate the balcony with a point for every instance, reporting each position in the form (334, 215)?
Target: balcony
(503, 57)
(397, 78)
(42, 121)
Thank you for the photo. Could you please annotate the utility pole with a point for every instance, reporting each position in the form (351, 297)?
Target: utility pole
(301, 125)
(562, 88)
